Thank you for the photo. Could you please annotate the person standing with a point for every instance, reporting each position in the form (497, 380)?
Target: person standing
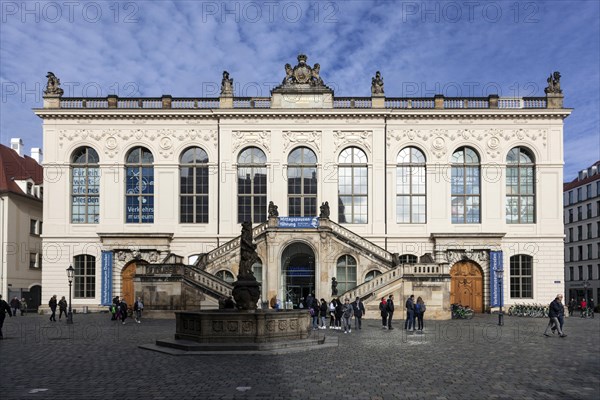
(313, 309)
(409, 324)
(15, 304)
(138, 307)
(332, 314)
(323, 311)
(419, 311)
(583, 307)
(123, 310)
(390, 310)
(359, 311)
(4, 308)
(571, 307)
(338, 313)
(384, 313)
(347, 313)
(114, 308)
(52, 304)
(23, 306)
(556, 310)
(62, 307)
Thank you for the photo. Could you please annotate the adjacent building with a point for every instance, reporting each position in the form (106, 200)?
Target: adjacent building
(457, 200)
(21, 223)
(582, 235)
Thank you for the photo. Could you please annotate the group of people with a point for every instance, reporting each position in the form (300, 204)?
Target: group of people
(339, 314)
(584, 306)
(414, 312)
(62, 306)
(556, 314)
(119, 310)
(17, 305)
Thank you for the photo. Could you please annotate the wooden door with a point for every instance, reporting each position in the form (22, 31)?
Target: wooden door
(467, 285)
(127, 291)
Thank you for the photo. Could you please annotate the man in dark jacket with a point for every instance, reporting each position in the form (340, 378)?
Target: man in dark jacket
(556, 310)
(410, 313)
(4, 308)
(390, 310)
(359, 310)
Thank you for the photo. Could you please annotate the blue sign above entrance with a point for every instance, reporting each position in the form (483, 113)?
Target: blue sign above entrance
(298, 222)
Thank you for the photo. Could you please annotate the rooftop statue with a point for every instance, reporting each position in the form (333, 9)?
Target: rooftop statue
(553, 83)
(53, 85)
(226, 84)
(303, 74)
(377, 84)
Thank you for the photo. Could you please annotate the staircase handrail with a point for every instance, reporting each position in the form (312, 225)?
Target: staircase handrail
(369, 288)
(367, 245)
(207, 280)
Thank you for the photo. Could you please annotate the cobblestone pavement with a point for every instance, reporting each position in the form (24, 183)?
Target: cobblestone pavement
(96, 358)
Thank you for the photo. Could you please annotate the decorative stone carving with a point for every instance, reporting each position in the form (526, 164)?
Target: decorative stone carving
(553, 83)
(324, 210)
(226, 85)
(273, 212)
(121, 256)
(283, 325)
(153, 256)
(293, 324)
(217, 326)
(377, 84)
(243, 138)
(246, 290)
(247, 326)
(271, 326)
(53, 86)
(291, 138)
(232, 326)
(345, 138)
(302, 74)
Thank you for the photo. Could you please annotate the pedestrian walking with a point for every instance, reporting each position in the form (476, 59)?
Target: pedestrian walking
(556, 310)
(409, 324)
(23, 306)
(347, 313)
(390, 310)
(323, 312)
(571, 307)
(52, 304)
(4, 308)
(123, 310)
(15, 305)
(138, 307)
(62, 307)
(359, 311)
(384, 313)
(583, 307)
(420, 309)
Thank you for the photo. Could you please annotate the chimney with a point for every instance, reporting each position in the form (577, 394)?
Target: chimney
(17, 145)
(36, 154)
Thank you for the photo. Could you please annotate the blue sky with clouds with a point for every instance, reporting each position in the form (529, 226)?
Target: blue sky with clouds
(457, 48)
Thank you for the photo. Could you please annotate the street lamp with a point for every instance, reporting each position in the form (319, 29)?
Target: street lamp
(70, 275)
(499, 273)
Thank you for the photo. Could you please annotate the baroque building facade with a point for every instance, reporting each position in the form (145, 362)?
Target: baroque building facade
(456, 200)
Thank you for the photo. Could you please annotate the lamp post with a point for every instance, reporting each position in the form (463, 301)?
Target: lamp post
(499, 273)
(586, 284)
(70, 275)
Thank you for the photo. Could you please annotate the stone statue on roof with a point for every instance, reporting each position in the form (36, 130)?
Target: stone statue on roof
(226, 85)
(377, 84)
(53, 85)
(553, 83)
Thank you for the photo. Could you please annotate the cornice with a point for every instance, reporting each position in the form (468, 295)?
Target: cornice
(329, 113)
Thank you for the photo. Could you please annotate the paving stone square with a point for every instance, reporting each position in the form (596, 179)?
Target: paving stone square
(96, 358)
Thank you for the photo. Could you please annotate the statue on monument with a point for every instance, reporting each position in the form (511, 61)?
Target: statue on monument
(226, 84)
(377, 84)
(334, 284)
(273, 212)
(53, 85)
(553, 83)
(246, 290)
(316, 79)
(289, 74)
(324, 210)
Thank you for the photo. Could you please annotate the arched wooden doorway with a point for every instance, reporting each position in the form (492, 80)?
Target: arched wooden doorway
(127, 290)
(467, 285)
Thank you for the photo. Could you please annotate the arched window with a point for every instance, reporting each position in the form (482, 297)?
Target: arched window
(466, 194)
(257, 270)
(84, 283)
(139, 187)
(352, 186)
(521, 276)
(193, 186)
(372, 275)
(225, 275)
(85, 186)
(520, 186)
(252, 186)
(346, 273)
(302, 183)
(408, 259)
(410, 186)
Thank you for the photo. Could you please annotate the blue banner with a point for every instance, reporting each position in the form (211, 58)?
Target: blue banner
(107, 268)
(496, 275)
(298, 222)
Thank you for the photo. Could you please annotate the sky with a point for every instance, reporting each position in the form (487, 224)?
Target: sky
(422, 48)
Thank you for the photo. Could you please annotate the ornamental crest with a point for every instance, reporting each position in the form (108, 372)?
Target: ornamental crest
(302, 75)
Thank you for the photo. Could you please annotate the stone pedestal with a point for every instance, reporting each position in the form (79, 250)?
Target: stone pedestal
(246, 294)
(237, 327)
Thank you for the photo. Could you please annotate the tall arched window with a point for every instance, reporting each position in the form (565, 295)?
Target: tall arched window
(84, 284)
(302, 183)
(521, 276)
(85, 186)
(520, 186)
(346, 273)
(193, 186)
(410, 186)
(352, 186)
(466, 193)
(252, 185)
(139, 187)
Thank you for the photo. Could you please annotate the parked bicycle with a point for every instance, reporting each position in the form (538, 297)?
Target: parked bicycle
(528, 310)
(460, 312)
